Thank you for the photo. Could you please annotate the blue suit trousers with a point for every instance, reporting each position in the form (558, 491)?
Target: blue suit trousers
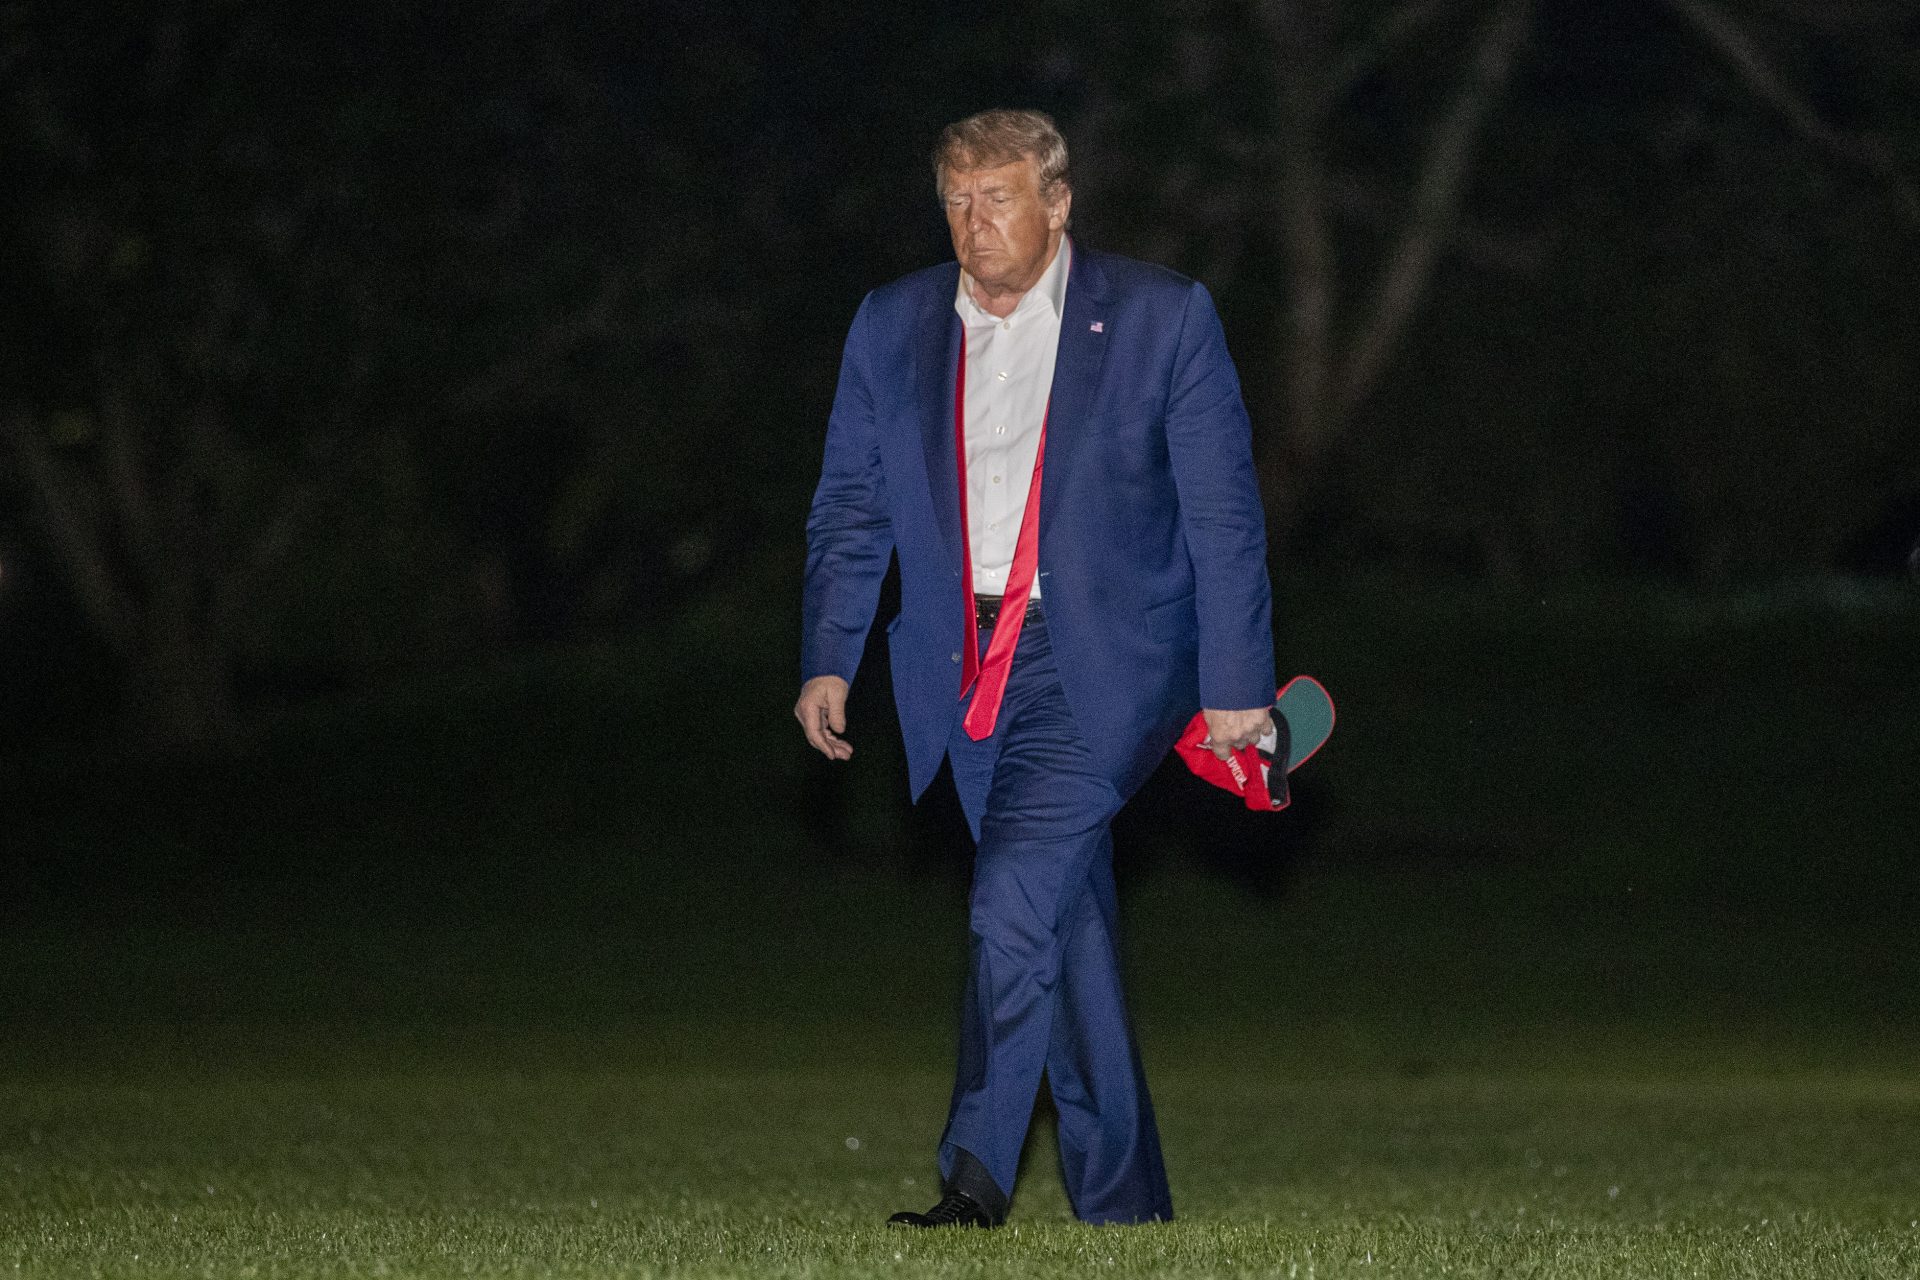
(1043, 993)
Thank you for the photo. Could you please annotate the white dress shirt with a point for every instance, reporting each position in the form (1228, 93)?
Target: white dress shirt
(1009, 377)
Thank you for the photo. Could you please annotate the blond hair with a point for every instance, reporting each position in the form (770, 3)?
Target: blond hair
(1001, 136)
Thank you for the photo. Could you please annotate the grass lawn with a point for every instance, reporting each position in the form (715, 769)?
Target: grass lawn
(1352, 1081)
(1590, 953)
(512, 1162)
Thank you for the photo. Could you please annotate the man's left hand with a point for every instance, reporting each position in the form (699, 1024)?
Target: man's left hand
(1228, 731)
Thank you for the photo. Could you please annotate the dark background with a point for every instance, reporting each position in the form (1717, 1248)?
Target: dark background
(408, 413)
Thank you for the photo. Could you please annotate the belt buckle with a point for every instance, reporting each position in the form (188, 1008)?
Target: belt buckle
(987, 610)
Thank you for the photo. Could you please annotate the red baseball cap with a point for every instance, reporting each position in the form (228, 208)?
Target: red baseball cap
(1303, 718)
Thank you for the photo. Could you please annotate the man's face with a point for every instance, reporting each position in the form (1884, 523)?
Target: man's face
(1003, 233)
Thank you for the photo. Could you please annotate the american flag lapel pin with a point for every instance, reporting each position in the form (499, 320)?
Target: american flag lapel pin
(1098, 326)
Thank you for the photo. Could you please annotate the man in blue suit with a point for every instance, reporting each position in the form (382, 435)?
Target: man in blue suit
(1052, 443)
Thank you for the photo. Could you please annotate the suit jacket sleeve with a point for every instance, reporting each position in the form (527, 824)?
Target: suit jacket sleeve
(1210, 446)
(849, 535)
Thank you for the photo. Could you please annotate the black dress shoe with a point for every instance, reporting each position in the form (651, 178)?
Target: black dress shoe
(954, 1210)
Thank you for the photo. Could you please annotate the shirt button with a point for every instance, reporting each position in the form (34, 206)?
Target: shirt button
(1006, 324)
(956, 656)
(1002, 375)
(999, 431)
(996, 479)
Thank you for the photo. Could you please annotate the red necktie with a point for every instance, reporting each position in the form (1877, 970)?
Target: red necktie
(991, 674)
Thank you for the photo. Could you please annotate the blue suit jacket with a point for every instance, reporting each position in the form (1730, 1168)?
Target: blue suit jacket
(1152, 538)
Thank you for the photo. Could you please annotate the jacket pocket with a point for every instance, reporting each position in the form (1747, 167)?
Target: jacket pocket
(1170, 620)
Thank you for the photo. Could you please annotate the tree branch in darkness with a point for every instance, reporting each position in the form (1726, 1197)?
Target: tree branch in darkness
(1390, 35)
(76, 537)
(1442, 185)
(1743, 53)
(1328, 379)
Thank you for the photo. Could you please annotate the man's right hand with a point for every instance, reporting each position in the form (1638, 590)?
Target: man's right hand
(822, 712)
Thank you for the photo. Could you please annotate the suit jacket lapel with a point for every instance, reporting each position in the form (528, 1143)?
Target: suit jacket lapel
(1076, 376)
(936, 360)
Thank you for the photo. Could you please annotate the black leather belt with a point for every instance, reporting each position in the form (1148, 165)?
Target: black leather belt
(987, 610)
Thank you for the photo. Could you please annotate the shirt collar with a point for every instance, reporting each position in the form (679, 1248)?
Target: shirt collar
(1050, 289)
